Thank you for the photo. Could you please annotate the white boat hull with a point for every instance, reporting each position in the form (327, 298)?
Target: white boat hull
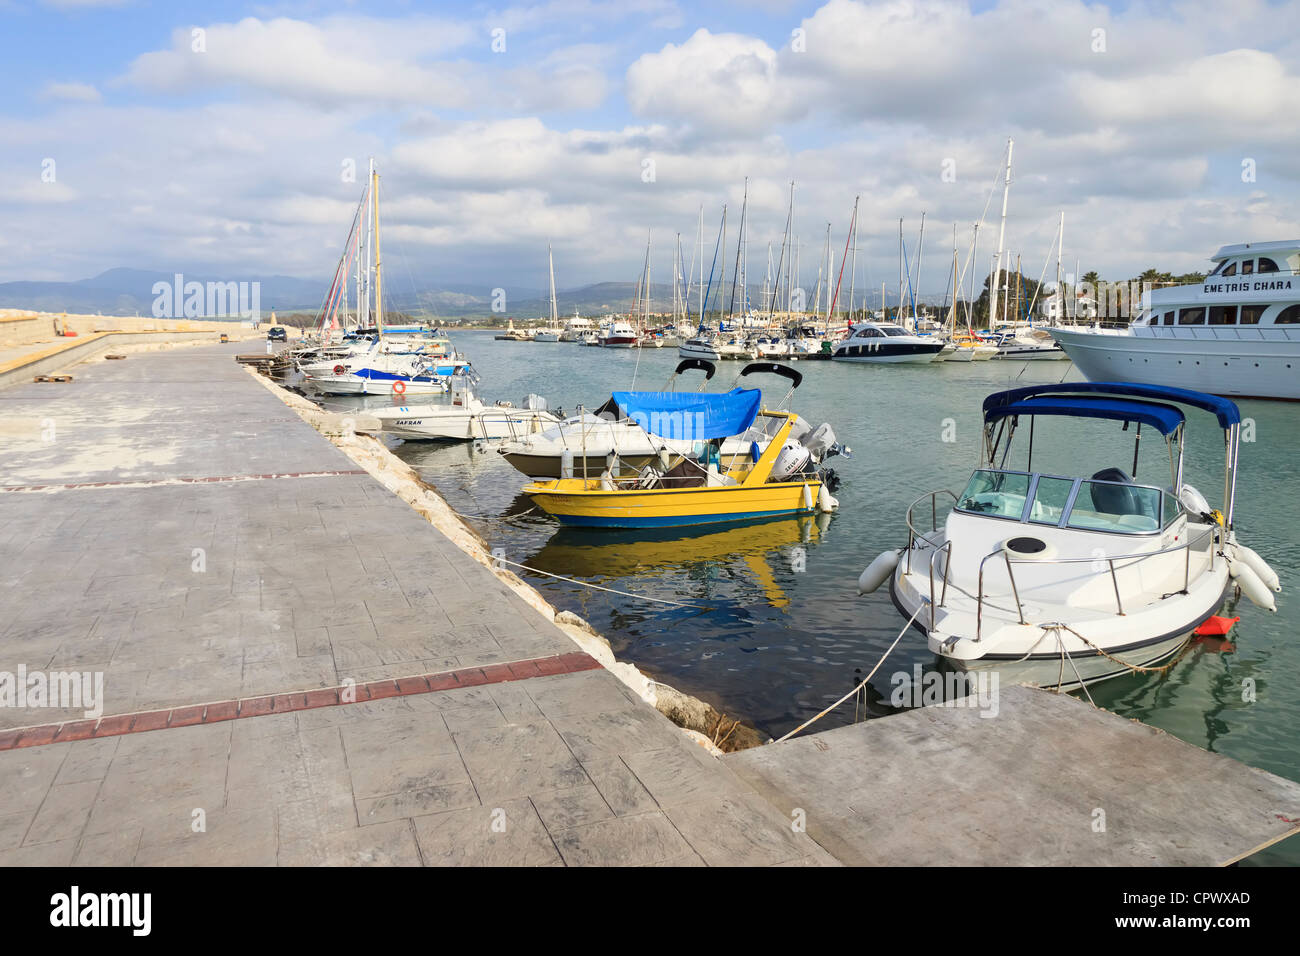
(440, 422)
(1253, 363)
(355, 385)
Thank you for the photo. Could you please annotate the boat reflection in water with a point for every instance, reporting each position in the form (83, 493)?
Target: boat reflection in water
(645, 554)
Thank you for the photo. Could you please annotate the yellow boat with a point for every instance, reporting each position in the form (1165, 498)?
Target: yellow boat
(692, 491)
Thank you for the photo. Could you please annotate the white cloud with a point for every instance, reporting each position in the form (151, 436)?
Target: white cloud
(723, 81)
(75, 92)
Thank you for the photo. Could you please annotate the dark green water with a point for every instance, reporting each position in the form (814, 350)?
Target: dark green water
(784, 632)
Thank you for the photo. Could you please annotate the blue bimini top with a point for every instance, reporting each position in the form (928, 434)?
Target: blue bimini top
(1164, 417)
(1225, 410)
(692, 416)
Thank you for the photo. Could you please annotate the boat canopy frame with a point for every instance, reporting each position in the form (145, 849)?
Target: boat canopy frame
(1153, 405)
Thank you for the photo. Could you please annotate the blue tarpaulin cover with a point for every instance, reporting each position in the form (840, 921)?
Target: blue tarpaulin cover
(692, 416)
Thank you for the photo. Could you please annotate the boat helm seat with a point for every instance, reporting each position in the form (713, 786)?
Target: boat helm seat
(1114, 499)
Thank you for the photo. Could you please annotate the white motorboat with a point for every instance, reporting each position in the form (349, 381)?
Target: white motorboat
(467, 418)
(1236, 334)
(376, 371)
(584, 443)
(734, 348)
(1062, 580)
(699, 346)
(576, 327)
(1025, 344)
(883, 343)
(547, 334)
(619, 334)
(970, 349)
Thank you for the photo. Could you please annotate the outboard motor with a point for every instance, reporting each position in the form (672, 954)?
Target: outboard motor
(792, 460)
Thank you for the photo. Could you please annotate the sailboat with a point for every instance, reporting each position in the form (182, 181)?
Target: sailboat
(552, 332)
(406, 362)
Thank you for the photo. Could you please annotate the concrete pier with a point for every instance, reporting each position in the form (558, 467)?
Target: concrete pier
(298, 668)
(1048, 781)
(166, 521)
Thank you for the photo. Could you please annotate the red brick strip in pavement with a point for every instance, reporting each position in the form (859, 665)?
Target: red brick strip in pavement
(248, 707)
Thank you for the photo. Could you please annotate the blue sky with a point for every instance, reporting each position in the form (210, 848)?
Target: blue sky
(226, 161)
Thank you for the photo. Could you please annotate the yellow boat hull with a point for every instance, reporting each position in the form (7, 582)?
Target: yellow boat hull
(585, 504)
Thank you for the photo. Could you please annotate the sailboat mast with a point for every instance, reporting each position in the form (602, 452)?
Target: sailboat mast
(853, 268)
(952, 312)
(916, 290)
(379, 279)
(898, 315)
(550, 260)
(997, 261)
(1060, 287)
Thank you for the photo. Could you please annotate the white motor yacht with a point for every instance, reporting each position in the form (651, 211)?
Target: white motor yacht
(1236, 334)
(883, 343)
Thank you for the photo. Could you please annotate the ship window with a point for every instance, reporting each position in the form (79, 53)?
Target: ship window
(1191, 316)
(1267, 265)
(1223, 314)
(1231, 270)
(1247, 266)
(868, 333)
(1169, 318)
(1288, 316)
(1250, 314)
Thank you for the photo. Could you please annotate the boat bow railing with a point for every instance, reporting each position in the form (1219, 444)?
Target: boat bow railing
(1131, 559)
(912, 532)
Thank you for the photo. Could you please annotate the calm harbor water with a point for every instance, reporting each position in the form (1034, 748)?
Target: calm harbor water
(779, 632)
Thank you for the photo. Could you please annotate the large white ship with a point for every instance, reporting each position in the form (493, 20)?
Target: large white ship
(1237, 333)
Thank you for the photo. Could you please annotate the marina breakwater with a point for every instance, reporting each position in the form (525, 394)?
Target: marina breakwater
(300, 668)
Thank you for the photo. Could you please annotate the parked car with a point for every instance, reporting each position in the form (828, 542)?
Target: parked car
(277, 334)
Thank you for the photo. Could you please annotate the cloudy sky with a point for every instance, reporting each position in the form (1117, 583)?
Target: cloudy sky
(215, 137)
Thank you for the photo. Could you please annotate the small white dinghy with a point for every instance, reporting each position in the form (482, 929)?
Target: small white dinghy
(1062, 581)
(467, 418)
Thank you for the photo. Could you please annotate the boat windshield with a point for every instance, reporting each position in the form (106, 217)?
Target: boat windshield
(1085, 504)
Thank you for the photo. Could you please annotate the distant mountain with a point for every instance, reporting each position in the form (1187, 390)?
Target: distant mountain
(124, 291)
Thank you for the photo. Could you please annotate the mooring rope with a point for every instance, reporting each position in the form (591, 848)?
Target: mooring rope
(865, 680)
(1138, 668)
(599, 587)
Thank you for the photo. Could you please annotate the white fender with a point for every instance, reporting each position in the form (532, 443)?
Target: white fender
(1251, 585)
(566, 463)
(826, 502)
(1193, 500)
(878, 571)
(1260, 567)
(807, 497)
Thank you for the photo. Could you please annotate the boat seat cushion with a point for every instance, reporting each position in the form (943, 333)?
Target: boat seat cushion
(687, 473)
